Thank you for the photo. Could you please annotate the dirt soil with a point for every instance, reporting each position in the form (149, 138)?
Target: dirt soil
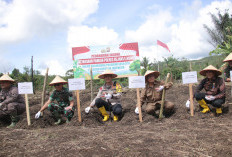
(178, 135)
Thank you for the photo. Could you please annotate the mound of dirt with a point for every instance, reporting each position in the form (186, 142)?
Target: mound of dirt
(178, 135)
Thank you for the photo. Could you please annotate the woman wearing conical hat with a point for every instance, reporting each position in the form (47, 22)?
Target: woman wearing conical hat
(214, 87)
(228, 68)
(108, 97)
(11, 103)
(152, 95)
(60, 102)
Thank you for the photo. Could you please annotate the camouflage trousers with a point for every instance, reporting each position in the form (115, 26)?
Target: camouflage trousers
(58, 109)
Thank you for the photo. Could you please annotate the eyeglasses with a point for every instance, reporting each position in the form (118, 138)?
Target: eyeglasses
(57, 85)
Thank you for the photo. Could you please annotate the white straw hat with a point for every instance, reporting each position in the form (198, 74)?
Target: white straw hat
(228, 58)
(6, 77)
(57, 80)
(150, 72)
(210, 68)
(107, 72)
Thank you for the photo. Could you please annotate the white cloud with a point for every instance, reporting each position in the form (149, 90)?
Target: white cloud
(23, 19)
(185, 38)
(55, 68)
(86, 36)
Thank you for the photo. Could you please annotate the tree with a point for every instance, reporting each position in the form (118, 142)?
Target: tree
(221, 23)
(226, 46)
(145, 64)
(135, 66)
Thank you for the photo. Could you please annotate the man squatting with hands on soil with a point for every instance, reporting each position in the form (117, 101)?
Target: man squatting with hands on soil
(214, 90)
(152, 95)
(60, 102)
(228, 68)
(111, 91)
(11, 103)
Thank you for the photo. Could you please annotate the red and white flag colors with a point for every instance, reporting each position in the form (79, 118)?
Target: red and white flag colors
(163, 45)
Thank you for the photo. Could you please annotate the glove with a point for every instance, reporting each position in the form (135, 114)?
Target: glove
(37, 115)
(187, 103)
(108, 96)
(136, 110)
(210, 97)
(68, 108)
(87, 109)
(160, 88)
(0, 104)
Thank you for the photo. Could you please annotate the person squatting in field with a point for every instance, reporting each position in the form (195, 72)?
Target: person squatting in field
(11, 103)
(152, 95)
(108, 97)
(214, 90)
(60, 102)
(228, 68)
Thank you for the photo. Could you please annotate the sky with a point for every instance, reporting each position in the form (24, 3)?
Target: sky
(48, 29)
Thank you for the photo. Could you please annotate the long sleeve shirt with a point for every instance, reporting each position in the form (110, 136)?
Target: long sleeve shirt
(215, 87)
(150, 95)
(10, 95)
(116, 96)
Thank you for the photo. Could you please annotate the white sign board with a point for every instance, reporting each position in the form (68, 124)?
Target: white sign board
(76, 84)
(231, 76)
(137, 82)
(189, 77)
(25, 88)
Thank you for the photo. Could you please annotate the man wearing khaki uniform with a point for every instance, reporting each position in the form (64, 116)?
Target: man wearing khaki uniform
(11, 103)
(152, 94)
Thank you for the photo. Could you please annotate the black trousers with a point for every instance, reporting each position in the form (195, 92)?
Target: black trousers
(116, 109)
(215, 103)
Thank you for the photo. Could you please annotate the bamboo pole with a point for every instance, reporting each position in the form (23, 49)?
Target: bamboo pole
(163, 98)
(27, 110)
(78, 106)
(44, 89)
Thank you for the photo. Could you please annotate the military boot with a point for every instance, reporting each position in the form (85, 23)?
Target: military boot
(104, 113)
(57, 117)
(14, 121)
(203, 104)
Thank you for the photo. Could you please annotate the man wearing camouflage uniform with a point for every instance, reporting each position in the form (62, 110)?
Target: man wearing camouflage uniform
(108, 97)
(152, 95)
(11, 103)
(60, 102)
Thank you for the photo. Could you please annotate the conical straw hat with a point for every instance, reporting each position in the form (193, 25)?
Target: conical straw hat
(107, 72)
(228, 58)
(150, 72)
(6, 77)
(57, 80)
(210, 68)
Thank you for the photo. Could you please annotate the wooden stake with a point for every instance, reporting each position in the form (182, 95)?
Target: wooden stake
(27, 110)
(78, 106)
(44, 89)
(191, 93)
(191, 99)
(91, 83)
(163, 98)
(139, 106)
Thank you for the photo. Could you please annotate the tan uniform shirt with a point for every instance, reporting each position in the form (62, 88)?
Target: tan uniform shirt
(150, 95)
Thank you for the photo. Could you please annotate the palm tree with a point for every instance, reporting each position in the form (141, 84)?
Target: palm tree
(219, 33)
